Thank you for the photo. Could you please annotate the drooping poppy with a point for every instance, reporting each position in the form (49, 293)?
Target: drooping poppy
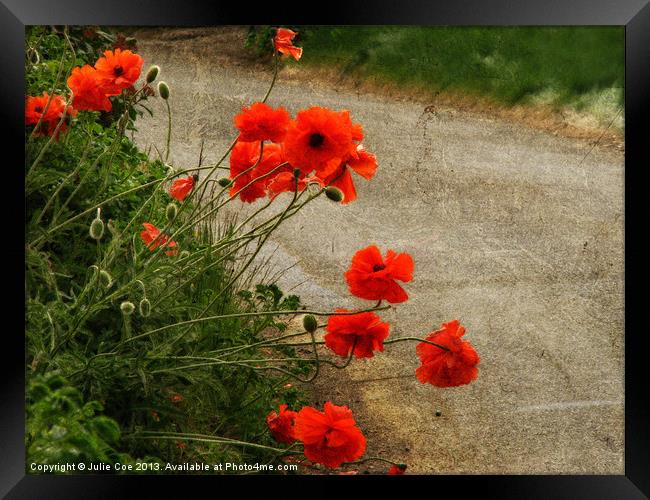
(246, 167)
(320, 139)
(182, 187)
(281, 425)
(260, 122)
(153, 239)
(365, 332)
(397, 470)
(35, 110)
(119, 69)
(88, 91)
(283, 43)
(372, 277)
(447, 368)
(365, 164)
(330, 437)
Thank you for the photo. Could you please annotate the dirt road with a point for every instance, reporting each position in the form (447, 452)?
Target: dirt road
(517, 233)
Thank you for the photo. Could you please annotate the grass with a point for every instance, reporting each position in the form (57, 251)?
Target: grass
(581, 67)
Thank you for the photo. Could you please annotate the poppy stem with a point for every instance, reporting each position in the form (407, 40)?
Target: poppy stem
(169, 129)
(416, 339)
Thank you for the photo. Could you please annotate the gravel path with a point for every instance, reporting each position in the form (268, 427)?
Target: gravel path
(516, 232)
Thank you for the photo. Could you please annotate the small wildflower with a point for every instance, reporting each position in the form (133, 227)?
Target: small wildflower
(176, 398)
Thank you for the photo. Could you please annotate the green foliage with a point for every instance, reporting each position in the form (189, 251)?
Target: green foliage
(510, 64)
(99, 382)
(63, 429)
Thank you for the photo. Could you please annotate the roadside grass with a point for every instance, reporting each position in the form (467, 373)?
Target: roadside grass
(580, 67)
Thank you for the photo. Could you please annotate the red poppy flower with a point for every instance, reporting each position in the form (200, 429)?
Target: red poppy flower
(365, 331)
(261, 122)
(281, 425)
(373, 278)
(181, 445)
(88, 91)
(244, 156)
(320, 139)
(181, 188)
(330, 437)
(119, 69)
(176, 398)
(153, 239)
(397, 470)
(447, 368)
(35, 110)
(365, 164)
(286, 182)
(283, 43)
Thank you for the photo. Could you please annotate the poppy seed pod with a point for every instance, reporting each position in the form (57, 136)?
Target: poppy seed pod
(152, 73)
(334, 193)
(96, 229)
(127, 308)
(296, 173)
(105, 279)
(224, 182)
(172, 211)
(309, 323)
(163, 90)
(144, 307)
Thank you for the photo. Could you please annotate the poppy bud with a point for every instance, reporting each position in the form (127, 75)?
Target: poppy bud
(97, 229)
(105, 279)
(127, 308)
(309, 323)
(152, 73)
(163, 90)
(334, 193)
(172, 211)
(224, 182)
(438, 413)
(144, 307)
(296, 173)
(111, 227)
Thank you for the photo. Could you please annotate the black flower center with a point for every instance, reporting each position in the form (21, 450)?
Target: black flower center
(118, 70)
(378, 267)
(316, 140)
(38, 109)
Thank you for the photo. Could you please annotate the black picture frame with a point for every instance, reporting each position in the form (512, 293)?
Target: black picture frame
(633, 14)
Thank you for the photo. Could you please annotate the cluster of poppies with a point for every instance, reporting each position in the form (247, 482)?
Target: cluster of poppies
(275, 153)
(91, 87)
(331, 437)
(113, 72)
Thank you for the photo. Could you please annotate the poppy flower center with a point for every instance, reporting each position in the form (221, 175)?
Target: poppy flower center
(38, 109)
(378, 267)
(118, 70)
(316, 140)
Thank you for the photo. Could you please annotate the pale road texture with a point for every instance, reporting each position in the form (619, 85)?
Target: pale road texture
(511, 232)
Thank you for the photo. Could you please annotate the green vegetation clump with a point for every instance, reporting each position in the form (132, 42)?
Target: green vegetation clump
(101, 386)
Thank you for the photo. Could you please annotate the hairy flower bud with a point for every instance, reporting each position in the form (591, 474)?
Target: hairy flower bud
(334, 193)
(105, 279)
(144, 307)
(309, 323)
(96, 229)
(172, 211)
(224, 182)
(127, 308)
(163, 90)
(152, 73)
